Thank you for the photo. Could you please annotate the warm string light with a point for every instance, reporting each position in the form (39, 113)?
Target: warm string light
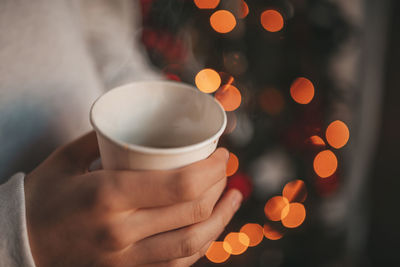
(216, 252)
(229, 97)
(271, 233)
(317, 141)
(222, 21)
(337, 134)
(295, 191)
(272, 20)
(233, 165)
(274, 209)
(207, 80)
(302, 90)
(244, 10)
(296, 214)
(325, 163)
(286, 208)
(254, 232)
(236, 243)
(206, 4)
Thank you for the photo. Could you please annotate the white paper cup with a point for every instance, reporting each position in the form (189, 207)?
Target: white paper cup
(156, 125)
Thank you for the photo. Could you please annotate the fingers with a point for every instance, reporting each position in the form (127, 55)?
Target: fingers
(78, 155)
(187, 241)
(141, 223)
(183, 262)
(123, 190)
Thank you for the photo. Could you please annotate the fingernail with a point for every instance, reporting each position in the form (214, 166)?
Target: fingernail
(236, 199)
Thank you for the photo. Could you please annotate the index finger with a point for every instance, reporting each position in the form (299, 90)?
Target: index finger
(141, 189)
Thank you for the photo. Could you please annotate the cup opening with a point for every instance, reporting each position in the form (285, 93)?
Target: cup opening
(158, 115)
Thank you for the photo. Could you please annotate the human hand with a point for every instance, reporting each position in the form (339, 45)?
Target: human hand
(124, 218)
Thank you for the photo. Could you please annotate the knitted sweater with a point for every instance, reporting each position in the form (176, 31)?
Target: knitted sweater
(56, 58)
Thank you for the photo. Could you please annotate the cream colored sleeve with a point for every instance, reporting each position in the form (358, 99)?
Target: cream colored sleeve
(14, 244)
(113, 30)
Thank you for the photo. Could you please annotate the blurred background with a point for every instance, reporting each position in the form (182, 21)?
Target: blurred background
(311, 92)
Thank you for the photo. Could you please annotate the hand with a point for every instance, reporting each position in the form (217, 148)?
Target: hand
(124, 218)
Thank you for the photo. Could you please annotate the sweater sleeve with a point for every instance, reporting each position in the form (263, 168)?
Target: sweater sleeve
(113, 31)
(14, 243)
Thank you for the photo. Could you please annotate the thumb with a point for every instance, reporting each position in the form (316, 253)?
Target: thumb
(79, 154)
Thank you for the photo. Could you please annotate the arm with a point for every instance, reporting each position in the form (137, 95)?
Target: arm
(14, 245)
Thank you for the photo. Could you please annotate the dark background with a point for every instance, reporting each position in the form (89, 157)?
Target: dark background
(352, 217)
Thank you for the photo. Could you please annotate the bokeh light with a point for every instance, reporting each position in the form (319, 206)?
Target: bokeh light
(271, 233)
(255, 233)
(229, 97)
(233, 164)
(316, 140)
(208, 80)
(271, 101)
(295, 216)
(325, 163)
(173, 77)
(295, 191)
(206, 4)
(302, 90)
(244, 10)
(236, 243)
(242, 182)
(274, 209)
(337, 134)
(272, 20)
(216, 252)
(222, 21)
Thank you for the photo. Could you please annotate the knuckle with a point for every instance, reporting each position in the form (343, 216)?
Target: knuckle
(201, 211)
(109, 237)
(186, 188)
(221, 168)
(189, 244)
(103, 197)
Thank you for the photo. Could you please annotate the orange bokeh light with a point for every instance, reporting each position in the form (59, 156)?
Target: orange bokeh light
(206, 4)
(325, 163)
(236, 243)
(244, 10)
(229, 97)
(255, 233)
(208, 80)
(216, 252)
(337, 134)
(295, 191)
(316, 140)
(302, 90)
(222, 21)
(296, 215)
(272, 20)
(271, 233)
(271, 101)
(274, 209)
(233, 164)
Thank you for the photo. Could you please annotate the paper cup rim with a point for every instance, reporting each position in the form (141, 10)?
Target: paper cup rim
(155, 150)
